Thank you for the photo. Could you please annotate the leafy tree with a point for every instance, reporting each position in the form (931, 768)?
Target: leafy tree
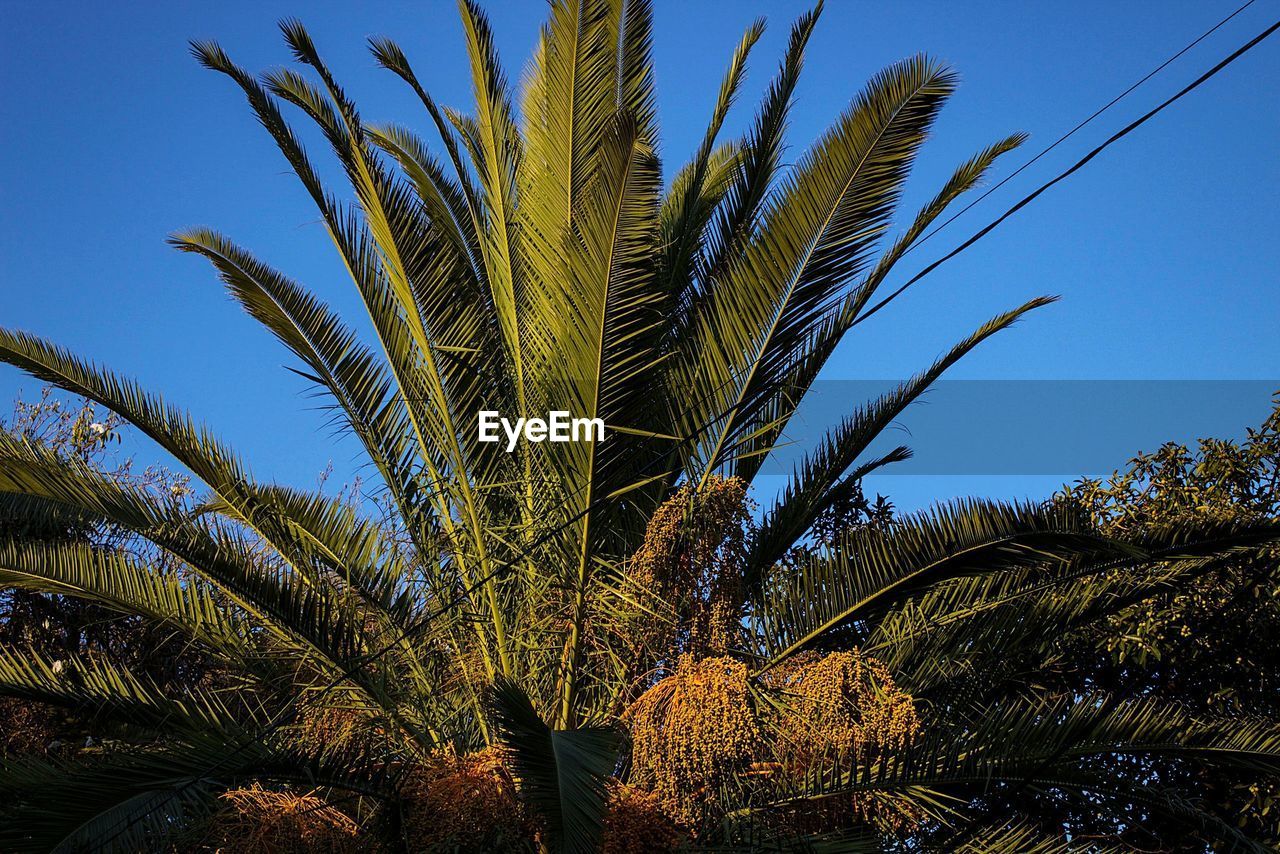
(61, 626)
(1211, 645)
(875, 686)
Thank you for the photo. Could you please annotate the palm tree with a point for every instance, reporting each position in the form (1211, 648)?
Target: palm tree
(538, 263)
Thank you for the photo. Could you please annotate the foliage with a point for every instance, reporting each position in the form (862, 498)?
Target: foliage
(27, 727)
(1211, 644)
(1207, 643)
(535, 603)
(61, 626)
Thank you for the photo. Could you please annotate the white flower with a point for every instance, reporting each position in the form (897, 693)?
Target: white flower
(98, 428)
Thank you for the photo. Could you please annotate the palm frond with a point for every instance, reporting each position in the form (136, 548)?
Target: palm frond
(871, 570)
(316, 621)
(332, 353)
(814, 487)
(125, 584)
(698, 188)
(561, 773)
(94, 685)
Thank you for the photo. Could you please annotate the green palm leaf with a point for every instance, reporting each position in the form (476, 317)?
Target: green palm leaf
(562, 773)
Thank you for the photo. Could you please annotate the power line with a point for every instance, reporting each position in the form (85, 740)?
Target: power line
(1117, 99)
(1129, 128)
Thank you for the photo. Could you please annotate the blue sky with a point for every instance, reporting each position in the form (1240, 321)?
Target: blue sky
(1163, 249)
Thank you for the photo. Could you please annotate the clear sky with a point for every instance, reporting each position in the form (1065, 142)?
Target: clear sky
(1164, 249)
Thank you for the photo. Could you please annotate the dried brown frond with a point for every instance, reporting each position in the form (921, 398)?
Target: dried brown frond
(255, 820)
(636, 823)
(464, 804)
